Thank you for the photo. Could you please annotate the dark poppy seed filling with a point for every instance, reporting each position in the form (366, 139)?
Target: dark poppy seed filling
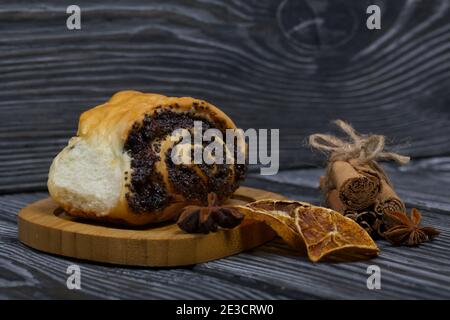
(146, 187)
(185, 181)
(147, 190)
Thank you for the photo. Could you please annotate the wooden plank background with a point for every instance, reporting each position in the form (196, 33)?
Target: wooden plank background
(288, 64)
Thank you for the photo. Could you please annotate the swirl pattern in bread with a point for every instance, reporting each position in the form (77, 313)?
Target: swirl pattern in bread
(118, 168)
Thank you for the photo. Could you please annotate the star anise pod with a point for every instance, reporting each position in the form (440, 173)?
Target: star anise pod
(404, 230)
(198, 219)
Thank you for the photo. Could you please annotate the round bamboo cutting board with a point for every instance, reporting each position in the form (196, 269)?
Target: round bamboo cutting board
(43, 228)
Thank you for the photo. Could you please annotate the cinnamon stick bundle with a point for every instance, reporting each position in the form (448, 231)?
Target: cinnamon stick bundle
(354, 183)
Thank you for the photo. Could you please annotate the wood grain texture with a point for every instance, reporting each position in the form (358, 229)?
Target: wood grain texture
(156, 246)
(272, 271)
(290, 64)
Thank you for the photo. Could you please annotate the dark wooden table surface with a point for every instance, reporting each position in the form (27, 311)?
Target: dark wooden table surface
(288, 64)
(271, 271)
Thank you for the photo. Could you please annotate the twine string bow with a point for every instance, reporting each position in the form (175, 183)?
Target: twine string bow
(362, 148)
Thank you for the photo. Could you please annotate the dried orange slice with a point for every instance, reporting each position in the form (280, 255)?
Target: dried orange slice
(327, 232)
(280, 216)
(318, 231)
